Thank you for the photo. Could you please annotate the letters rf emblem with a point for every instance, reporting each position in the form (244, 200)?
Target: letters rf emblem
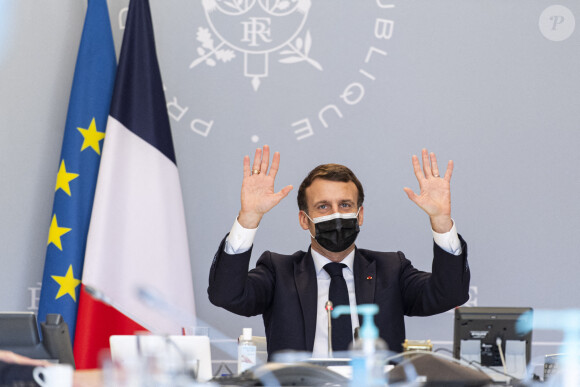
(256, 29)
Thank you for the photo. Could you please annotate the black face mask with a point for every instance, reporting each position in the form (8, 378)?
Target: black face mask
(336, 232)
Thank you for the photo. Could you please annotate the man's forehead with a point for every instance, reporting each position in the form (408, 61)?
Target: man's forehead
(322, 189)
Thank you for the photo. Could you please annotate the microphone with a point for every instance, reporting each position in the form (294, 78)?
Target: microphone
(155, 300)
(99, 295)
(152, 299)
(329, 308)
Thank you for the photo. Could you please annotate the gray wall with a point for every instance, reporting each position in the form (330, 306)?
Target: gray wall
(479, 82)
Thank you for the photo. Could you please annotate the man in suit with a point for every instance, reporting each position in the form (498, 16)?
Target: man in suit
(291, 291)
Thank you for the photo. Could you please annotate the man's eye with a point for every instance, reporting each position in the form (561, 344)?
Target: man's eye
(322, 207)
(345, 205)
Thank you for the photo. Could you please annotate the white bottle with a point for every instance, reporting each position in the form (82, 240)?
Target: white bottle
(246, 351)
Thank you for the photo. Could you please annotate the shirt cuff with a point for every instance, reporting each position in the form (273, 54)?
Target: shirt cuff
(449, 241)
(240, 239)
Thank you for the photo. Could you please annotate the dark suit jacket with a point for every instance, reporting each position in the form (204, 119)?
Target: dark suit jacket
(283, 288)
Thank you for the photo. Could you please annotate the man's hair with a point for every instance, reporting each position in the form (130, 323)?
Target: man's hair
(332, 172)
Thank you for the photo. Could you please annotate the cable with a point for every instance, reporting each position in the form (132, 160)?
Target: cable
(473, 364)
(498, 343)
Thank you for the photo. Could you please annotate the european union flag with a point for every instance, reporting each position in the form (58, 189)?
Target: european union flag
(84, 132)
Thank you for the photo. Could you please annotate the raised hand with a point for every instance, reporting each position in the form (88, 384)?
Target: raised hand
(258, 196)
(435, 192)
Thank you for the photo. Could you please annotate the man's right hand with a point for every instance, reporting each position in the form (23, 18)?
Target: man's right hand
(258, 196)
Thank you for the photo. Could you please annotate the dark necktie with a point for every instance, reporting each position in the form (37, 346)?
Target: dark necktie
(338, 294)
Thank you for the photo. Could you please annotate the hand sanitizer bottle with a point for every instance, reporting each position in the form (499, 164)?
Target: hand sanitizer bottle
(368, 351)
(246, 351)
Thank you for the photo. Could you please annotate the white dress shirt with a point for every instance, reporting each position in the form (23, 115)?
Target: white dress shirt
(323, 280)
(241, 239)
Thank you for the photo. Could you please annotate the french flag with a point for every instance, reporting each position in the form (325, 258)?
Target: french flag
(137, 236)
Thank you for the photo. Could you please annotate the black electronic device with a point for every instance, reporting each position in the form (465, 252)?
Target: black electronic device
(486, 325)
(284, 374)
(56, 339)
(435, 370)
(19, 334)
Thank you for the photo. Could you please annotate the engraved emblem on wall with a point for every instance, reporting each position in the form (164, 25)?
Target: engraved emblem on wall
(255, 30)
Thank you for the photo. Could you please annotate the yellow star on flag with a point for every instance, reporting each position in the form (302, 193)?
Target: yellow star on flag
(64, 178)
(55, 233)
(68, 284)
(92, 137)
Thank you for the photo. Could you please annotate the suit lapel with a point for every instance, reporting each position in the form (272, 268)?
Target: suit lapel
(305, 277)
(365, 271)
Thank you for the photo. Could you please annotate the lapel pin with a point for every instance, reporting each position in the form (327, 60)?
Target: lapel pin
(370, 277)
